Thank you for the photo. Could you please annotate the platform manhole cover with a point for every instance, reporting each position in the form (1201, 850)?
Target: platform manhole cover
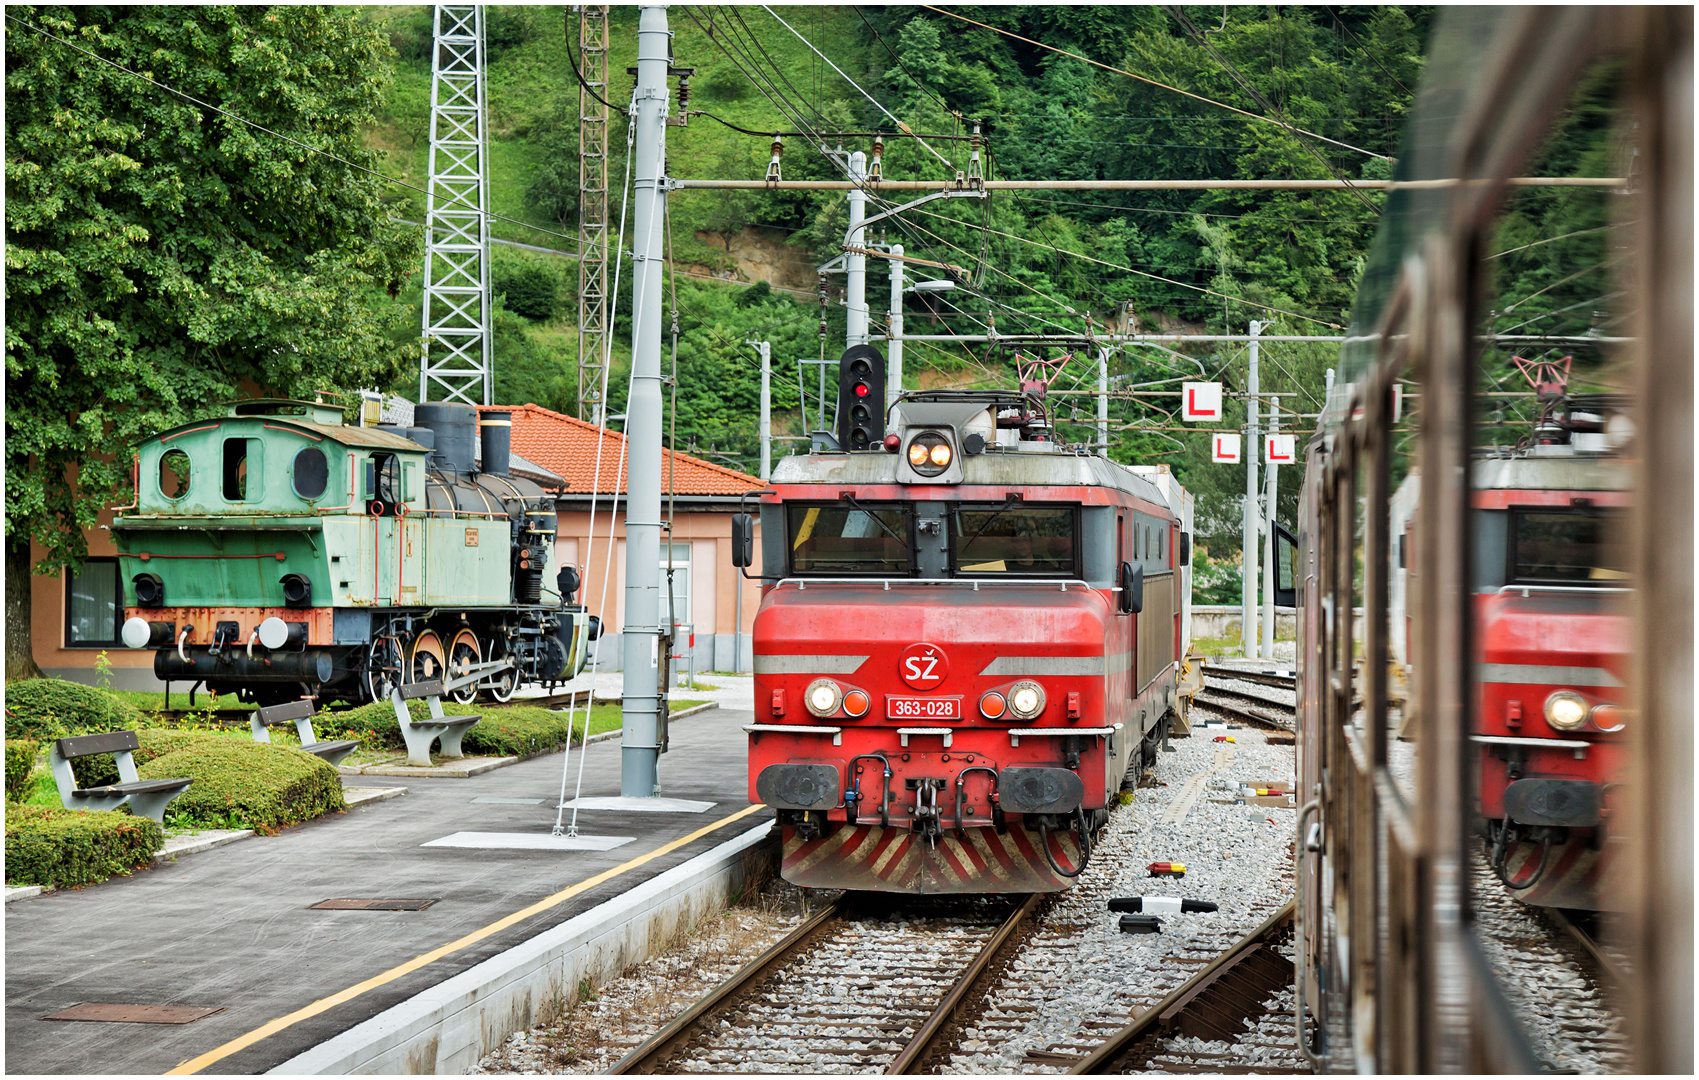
(355, 903)
(135, 1014)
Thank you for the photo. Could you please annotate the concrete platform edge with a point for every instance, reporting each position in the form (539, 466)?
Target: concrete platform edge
(448, 1027)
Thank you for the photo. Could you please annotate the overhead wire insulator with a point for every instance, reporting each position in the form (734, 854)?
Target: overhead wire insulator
(773, 176)
(975, 170)
(876, 169)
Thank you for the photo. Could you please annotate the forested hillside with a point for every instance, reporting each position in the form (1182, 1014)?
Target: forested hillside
(1323, 92)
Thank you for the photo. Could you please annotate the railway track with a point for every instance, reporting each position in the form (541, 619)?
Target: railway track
(845, 991)
(1211, 1007)
(1266, 678)
(1257, 709)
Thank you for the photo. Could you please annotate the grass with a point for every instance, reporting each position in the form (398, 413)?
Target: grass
(1223, 647)
(154, 700)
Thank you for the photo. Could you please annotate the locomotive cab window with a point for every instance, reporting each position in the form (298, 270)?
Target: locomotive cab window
(382, 473)
(1022, 540)
(311, 473)
(174, 474)
(1565, 547)
(240, 484)
(843, 539)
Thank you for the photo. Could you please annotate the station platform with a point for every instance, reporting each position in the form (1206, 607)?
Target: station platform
(235, 928)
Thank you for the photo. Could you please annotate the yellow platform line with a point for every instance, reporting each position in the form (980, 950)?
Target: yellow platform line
(194, 1065)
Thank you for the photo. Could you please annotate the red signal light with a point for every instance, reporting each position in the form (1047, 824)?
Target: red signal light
(860, 389)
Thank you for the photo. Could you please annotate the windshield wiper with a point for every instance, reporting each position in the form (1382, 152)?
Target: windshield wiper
(1011, 500)
(847, 497)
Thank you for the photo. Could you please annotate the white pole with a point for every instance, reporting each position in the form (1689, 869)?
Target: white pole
(640, 743)
(855, 292)
(894, 361)
(1269, 568)
(1103, 401)
(1248, 590)
(766, 348)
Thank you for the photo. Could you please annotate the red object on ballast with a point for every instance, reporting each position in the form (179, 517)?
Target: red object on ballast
(1164, 869)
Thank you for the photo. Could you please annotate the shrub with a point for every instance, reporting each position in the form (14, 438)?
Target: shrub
(261, 786)
(55, 708)
(46, 845)
(20, 759)
(155, 742)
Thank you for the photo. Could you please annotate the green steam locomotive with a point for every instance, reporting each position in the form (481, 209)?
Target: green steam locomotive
(276, 552)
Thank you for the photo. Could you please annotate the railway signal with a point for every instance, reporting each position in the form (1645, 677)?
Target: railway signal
(1225, 449)
(861, 398)
(1280, 449)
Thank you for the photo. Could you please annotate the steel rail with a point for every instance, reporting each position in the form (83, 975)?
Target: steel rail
(652, 1053)
(1241, 711)
(927, 1039)
(1266, 678)
(1137, 185)
(1245, 695)
(1105, 1058)
(1603, 961)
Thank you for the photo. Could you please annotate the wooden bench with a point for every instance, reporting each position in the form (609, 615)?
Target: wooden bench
(149, 798)
(300, 713)
(419, 736)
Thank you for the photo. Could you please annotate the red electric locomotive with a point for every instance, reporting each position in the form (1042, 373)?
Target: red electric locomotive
(1552, 634)
(969, 636)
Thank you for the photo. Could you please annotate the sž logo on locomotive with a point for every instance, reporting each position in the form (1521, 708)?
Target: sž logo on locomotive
(923, 666)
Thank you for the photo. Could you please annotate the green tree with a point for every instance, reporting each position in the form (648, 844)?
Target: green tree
(161, 255)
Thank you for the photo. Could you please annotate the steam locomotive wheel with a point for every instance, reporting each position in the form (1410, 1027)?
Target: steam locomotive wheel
(462, 655)
(383, 667)
(428, 661)
(508, 681)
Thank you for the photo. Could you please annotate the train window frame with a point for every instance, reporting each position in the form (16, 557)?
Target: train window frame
(238, 472)
(188, 474)
(1075, 570)
(910, 540)
(1512, 568)
(295, 474)
(108, 563)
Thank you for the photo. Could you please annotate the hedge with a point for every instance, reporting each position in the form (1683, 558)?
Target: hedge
(46, 845)
(506, 730)
(54, 708)
(155, 742)
(262, 786)
(20, 759)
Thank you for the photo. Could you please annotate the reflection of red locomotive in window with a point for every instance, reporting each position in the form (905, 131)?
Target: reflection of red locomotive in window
(1551, 625)
(965, 645)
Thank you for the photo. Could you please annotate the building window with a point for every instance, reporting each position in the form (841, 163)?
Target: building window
(680, 611)
(94, 604)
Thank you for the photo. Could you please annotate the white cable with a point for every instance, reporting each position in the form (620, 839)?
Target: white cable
(595, 489)
(902, 126)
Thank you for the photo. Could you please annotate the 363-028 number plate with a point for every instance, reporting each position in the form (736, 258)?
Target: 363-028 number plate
(923, 708)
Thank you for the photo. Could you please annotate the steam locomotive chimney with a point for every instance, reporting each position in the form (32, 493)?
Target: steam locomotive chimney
(497, 441)
(455, 426)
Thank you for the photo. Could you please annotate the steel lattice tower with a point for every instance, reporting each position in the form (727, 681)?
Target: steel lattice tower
(455, 363)
(593, 327)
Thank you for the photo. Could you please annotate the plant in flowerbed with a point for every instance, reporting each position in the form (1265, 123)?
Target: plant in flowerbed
(20, 760)
(52, 846)
(54, 708)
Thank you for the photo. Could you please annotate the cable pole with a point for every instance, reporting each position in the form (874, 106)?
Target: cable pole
(1103, 400)
(1248, 569)
(855, 259)
(766, 348)
(894, 336)
(1269, 567)
(640, 731)
(593, 325)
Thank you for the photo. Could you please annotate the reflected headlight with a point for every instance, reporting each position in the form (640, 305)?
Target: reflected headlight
(823, 697)
(1026, 699)
(929, 453)
(1566, 710)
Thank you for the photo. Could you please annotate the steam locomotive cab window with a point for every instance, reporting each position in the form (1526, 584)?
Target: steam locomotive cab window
(174, 474)
(312, 473)
(236, 478)
(382, 475)
(844, 539)
(1023, 541)
(1565, 547)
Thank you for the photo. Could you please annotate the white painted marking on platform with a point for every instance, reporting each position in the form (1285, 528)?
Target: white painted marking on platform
(530, 841)
(654, 805)
(506, 802)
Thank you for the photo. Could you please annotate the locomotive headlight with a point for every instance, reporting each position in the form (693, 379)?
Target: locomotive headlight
(1566, 710)
(993, 705)
(929, 453)
(1026, 699)
(823, 697)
